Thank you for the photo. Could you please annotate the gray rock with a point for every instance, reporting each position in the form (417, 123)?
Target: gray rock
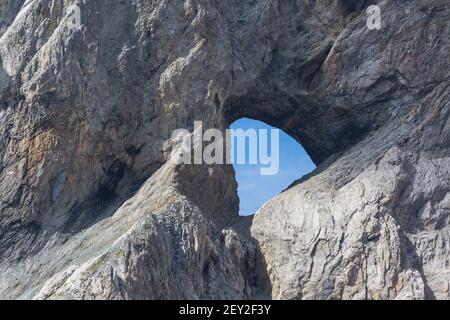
(91, 208)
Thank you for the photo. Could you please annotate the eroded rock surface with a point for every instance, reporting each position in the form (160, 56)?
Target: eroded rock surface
(91, 208)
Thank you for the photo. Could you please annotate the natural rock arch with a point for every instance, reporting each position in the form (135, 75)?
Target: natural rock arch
(86, 134)
(264, 171)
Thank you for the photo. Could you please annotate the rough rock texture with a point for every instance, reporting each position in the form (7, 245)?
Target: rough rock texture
(90, 206)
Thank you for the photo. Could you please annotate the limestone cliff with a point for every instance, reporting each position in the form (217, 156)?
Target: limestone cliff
(91, 208)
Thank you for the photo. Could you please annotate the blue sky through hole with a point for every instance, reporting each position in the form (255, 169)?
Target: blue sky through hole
(255, 189)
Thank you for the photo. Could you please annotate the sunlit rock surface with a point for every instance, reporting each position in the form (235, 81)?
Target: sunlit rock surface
(91, 208)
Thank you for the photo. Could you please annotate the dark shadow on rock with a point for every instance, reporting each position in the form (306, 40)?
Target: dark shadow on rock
(258, 277)
(356, 5)
(5, 83)
(412, 260)
(102, 204)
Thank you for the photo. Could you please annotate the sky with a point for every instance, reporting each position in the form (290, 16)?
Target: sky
(255, 189)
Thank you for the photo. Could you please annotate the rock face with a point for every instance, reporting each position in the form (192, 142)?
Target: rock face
(91, 208)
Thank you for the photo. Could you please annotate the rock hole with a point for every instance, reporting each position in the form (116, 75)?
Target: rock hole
(255, 188)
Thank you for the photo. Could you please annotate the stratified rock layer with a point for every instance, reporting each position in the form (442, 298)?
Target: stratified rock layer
(91, 208)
